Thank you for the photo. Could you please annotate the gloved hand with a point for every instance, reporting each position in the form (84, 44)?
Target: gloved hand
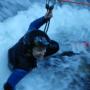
(48, 14)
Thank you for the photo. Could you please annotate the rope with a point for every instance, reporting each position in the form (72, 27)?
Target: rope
(47, 26)
(49, 7)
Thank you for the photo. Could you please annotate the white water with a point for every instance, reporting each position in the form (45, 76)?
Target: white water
(69, 27)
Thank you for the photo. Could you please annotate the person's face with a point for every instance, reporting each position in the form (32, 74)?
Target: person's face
(38, 52)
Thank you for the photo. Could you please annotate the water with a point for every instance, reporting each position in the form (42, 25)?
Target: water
(70, 27)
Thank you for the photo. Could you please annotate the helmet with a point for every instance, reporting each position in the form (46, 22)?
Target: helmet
(36, 38)
(40, 41)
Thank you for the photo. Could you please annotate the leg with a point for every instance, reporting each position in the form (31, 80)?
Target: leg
(15, 77)
(52, 48)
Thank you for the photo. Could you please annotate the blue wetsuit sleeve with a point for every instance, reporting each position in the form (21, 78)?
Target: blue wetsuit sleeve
(35, 25)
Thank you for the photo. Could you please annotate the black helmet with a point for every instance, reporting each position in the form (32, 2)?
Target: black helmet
(40, 41)
(36, 38)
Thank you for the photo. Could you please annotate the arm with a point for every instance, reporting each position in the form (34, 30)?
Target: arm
(54, 47)
(68, 53)
(35, 25)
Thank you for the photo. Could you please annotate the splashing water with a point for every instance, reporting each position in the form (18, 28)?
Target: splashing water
(69, 27)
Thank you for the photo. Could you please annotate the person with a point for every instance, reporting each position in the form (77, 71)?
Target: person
(34, 45)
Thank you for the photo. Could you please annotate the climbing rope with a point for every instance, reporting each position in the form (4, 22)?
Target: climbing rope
(49, 6)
